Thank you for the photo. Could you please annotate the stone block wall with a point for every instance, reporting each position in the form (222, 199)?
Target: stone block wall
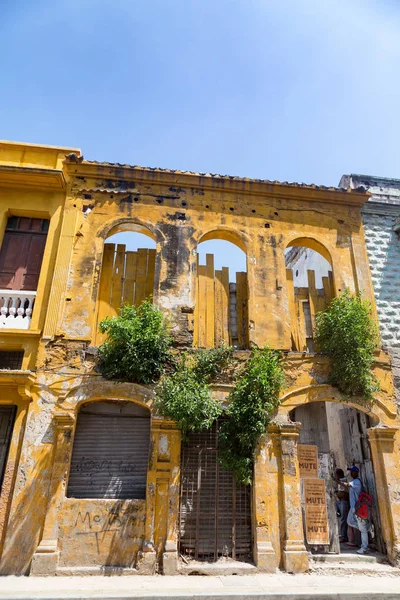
(383, 247)
(380, 217)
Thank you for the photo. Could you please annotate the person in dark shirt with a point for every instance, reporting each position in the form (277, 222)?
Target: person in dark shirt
(342, 504)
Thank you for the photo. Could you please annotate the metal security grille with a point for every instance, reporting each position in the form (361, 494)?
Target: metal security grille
(111, 449)
(11, 360)
(7, 415)
(215, 513)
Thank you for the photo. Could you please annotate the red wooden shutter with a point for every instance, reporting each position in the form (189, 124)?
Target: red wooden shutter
(22, 252)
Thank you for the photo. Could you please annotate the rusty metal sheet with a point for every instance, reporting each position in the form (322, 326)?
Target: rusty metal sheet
(110, 453)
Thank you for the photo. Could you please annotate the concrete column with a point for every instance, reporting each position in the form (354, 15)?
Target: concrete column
(176, 276)
(266, 513)
(45, 559)
(294, 554)
(269, 317)
(160, 546)
(385, 447)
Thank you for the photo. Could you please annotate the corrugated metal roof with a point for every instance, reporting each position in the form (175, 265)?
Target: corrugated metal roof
(75, 159)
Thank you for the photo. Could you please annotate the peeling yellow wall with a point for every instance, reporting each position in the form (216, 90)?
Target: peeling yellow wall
(42, 531)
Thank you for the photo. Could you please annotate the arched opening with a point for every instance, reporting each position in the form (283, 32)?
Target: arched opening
(110, 451)
(221, 313)
(334, 436)
(310, 286)
(127, 273)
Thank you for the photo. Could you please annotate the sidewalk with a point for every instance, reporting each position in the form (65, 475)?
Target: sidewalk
(279, 586)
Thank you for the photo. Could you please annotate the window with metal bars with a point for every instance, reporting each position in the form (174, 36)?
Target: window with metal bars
(11, 359)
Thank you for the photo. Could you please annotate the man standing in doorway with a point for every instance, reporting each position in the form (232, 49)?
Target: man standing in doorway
(355, 488)
(342, 504)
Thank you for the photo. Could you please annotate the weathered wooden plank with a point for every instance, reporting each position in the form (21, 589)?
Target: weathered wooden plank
(301, 324)
(219, 317)
(312, 292)
(202, 306)
(225, 305)
(117, 278)
(294, 329)
(242, 309)
(141, 272)
(105, 288)
(210, 310)
(130, 275)
(196, 308)
(331, 284)
(151, 267)
(327, 290)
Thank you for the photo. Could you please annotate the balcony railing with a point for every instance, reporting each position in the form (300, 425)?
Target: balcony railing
(16, 309)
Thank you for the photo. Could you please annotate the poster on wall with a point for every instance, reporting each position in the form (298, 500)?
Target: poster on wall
(317, 531)
(308, 461)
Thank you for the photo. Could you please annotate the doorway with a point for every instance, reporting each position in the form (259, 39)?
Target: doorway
(340, 434)
(215, 512)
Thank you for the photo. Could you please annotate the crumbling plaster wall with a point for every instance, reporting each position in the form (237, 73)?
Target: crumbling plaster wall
(179, 216)
(179, 210)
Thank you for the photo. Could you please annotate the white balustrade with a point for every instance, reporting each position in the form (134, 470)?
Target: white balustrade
(16, 309)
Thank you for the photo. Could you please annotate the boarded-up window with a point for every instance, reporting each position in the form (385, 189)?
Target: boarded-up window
(110, 454)
(7, 414)
(22, 252)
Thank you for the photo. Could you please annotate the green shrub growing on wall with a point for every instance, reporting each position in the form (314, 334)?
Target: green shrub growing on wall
(253, 399)
(137, 346)
(184, 396)
(348, 334)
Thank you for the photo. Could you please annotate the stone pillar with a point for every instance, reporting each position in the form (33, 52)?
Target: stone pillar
(385, 447)
(266, 511)
(269, 316)
(160, 547)
(295, 556)
(175, 276)
(45, 559)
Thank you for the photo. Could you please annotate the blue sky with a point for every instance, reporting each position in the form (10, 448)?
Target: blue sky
(298, 90)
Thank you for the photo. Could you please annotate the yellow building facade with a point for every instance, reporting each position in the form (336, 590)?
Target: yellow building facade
(55, 517)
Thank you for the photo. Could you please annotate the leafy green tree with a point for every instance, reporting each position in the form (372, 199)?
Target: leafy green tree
(184, 396)
(253, 399)
(348, 334)
(137, 346)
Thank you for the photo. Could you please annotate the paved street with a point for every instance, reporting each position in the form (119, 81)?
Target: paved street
(277, 586)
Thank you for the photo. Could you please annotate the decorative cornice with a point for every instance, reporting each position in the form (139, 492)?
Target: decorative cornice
(22, 380)
(216, 183)
(381, 208)
(31, 177)
(383, 434)
(64, 420)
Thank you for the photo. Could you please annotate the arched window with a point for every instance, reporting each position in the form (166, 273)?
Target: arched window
(127, 273)
(221, 314)
(310, 288)
(110, 453)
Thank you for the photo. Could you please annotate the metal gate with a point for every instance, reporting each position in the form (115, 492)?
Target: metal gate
(215, 513)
